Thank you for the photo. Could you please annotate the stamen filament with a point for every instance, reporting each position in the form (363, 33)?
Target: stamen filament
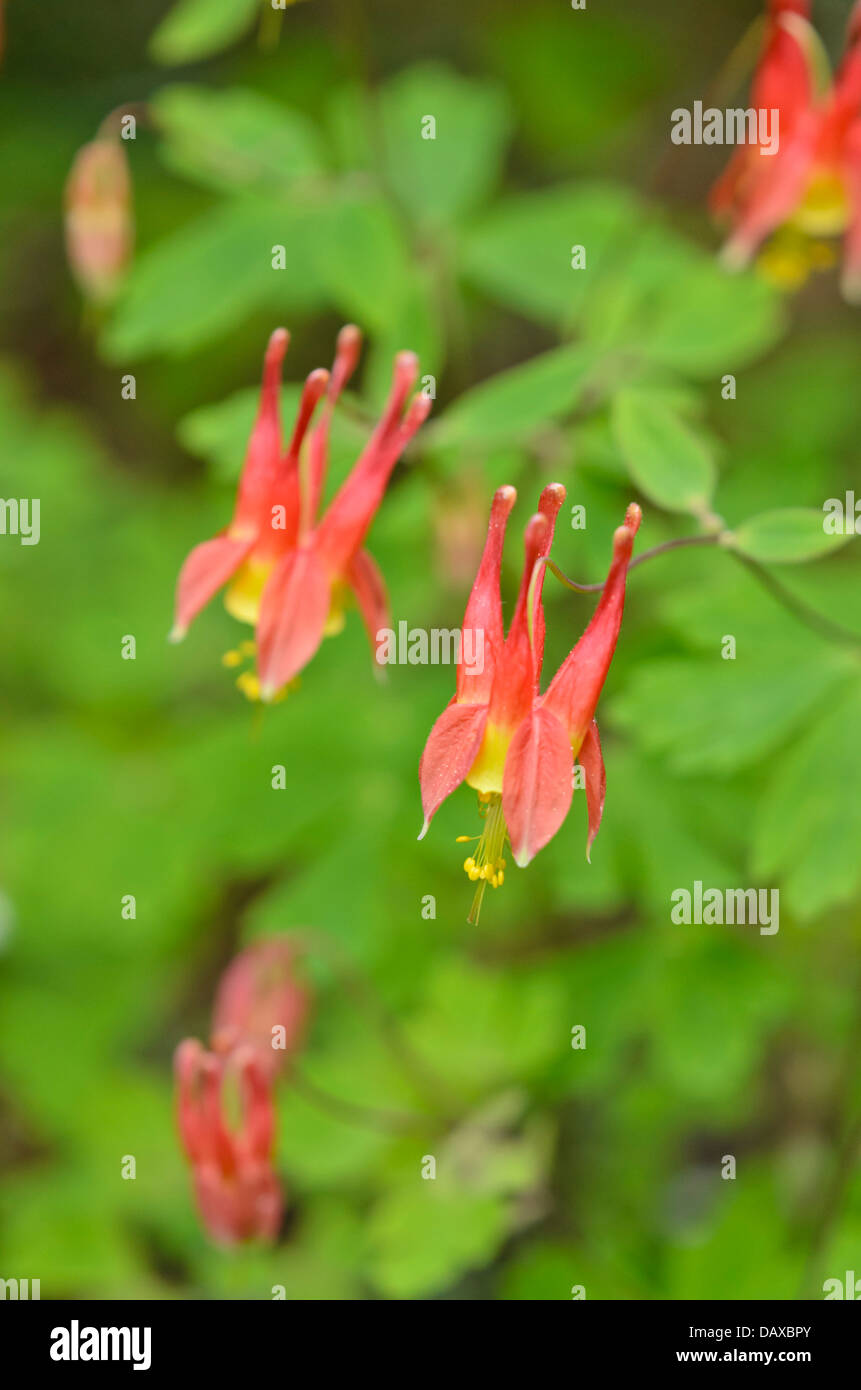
(487, 865)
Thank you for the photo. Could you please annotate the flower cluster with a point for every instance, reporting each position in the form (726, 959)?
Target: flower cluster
(289, 573)
(499, 734)
(258, 1023)
(808, 189)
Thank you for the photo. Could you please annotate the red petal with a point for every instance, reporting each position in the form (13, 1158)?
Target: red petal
(345, 524)
(484, 605)
(285, 491)
(206, 568)
(852, 246)
(773, 188)
(347, 351)
(264, 447)
(549, 503)
(573, 693)
(537, 785)
(449, 753)
(514, 678)
(260, 989)
(187, 1066)
(257, 1132)
(591, 760)
(761, 190)
(293, 612)
(369, 587)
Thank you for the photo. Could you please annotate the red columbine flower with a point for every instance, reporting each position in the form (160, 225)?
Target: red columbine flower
(809, 188)
(258, 1021)
(238, 1194)
(515, 746)
(290, 573)
(260, 1003)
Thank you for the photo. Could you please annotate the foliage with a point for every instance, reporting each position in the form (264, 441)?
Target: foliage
(557, 1166)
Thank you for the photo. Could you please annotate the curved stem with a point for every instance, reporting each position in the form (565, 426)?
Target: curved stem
(371, 1116)
(817, 622)
(646, 555)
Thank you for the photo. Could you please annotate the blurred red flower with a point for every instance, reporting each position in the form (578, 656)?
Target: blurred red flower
(289, 572)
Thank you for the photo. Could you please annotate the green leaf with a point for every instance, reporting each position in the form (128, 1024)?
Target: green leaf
(667, 459)
(809, 825)
(714, 716)
(710, 322)
(424, 1235)
(483, 1027)
(194, 285)
(360, 254)
(198, 28)
(235, 138)
(715, 1260)
(784, 537)
(669, 304)
(441, 177)
(517, 402)
(521, 252)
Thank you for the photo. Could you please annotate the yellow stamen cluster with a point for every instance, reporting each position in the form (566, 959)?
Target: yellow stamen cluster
(242, 653)
(248, 682)
(494, 873)
(791, 256)
(487, 865)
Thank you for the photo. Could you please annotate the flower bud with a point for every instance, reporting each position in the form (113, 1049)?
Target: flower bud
(262, 1005)
(99, 229)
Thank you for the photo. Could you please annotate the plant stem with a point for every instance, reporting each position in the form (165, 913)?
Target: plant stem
(817, 622)
(646, 555)
(371, 1116)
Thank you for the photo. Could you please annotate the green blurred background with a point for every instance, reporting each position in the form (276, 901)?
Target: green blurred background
(557, 1167)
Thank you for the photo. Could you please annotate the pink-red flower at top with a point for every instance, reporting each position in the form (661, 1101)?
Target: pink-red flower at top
(261, 1003)
(98, 217)
(499, 734)
(288, 571)
(225, 1107)
(808, 189)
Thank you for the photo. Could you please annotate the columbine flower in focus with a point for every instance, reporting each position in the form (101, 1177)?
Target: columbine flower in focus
(790, 202)
(225, 1108)
(515, 746)
(98, 217)
(290, 573)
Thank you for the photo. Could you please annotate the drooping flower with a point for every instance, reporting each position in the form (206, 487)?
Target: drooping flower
(260, 1003)
(98, 217)
(790, 200)
(499, 734)
(225, 1107)
(290, 573)
(238, 1194)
